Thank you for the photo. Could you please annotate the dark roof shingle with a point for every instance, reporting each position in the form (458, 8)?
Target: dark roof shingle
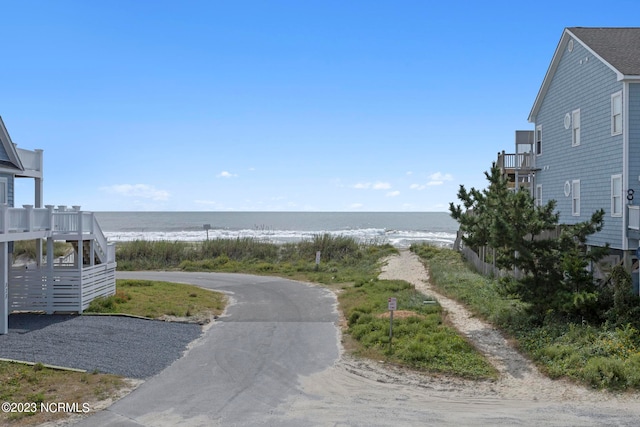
(620, 47)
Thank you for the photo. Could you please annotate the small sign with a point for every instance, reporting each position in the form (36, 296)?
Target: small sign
(317, 257)
(392, 304)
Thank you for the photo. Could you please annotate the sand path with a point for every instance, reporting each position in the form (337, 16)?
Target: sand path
(519, 377)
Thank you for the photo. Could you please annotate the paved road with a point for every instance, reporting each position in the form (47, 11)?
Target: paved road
(246, 365)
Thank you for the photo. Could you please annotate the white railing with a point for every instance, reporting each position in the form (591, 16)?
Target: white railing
(634, 217)
(30, 223)
(31, 160)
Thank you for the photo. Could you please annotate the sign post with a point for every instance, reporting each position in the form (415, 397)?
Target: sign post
(317, 260)
(392, 306)
(207, 227)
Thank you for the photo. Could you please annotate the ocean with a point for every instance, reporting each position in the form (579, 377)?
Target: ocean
(400, 229)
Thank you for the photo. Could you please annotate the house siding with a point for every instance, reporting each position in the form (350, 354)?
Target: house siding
(633, 181)
(581, 82)
(3, 154)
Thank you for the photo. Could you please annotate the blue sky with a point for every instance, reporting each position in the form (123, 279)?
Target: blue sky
(275, 105)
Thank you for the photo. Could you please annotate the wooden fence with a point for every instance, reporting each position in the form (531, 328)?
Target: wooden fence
(478, 260)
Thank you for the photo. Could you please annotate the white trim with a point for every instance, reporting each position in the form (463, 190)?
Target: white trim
(553, 66)
(625, 163)
(575, 127)
(619, 75)
(538, 140)
(538, 195)
(614, 96)
(575, 201)
(618, 195)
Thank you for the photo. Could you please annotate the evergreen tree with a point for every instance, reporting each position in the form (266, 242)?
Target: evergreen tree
(554, 275)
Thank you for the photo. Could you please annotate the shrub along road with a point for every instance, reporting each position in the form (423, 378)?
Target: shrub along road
(274, 359)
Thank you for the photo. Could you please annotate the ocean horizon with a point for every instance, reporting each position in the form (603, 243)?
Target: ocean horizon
(400, 229)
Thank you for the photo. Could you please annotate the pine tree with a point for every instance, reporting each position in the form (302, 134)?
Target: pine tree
(554, 276)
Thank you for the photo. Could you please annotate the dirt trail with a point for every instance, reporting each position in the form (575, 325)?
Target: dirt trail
(519, 378)
(359, 392)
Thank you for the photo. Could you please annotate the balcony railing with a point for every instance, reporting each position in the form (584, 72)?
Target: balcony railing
(31, 161)
(31, 223)
(514, 161)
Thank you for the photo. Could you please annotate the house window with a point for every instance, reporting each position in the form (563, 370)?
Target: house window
(539, 139)
(616, 195)
(538, 200)
(575, 128)
(616, 113)
(575, 197)
(3, 190)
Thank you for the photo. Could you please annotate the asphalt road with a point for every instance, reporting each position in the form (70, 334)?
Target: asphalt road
(274, 360)
(246, 365)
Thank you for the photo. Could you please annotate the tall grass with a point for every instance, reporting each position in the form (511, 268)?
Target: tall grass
(28, 248)
(600, 356)
(342, 258)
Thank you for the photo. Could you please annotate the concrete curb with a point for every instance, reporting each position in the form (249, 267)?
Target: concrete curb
(57, 368)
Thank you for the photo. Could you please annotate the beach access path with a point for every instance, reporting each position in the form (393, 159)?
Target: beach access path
(275, 358)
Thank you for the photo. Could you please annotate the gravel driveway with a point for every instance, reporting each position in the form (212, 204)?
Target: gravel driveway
(130, 347)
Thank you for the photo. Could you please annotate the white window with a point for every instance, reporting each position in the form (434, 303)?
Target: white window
(575, 197)
(538, 200)
(539, 139)
(616, 113)
(575, 127)
(4, 190)
(616, 195)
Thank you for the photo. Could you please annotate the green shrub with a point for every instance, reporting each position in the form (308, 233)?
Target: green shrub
(602, 372)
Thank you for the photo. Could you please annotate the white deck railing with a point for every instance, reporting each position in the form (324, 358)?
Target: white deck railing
(28, 223)
(31, 161)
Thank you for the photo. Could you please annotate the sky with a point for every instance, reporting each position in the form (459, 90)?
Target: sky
(272, 105)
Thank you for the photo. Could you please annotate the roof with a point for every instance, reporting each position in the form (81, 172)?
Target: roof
(10, 148)
(618, 48)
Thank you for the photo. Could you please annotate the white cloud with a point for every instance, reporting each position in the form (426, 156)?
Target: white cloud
(374, 186)
(418, 187)
(356, 205)
(144, 191)
(362, 186)
(439, 178)
(225, 174)
(381, 186)
(393, 193)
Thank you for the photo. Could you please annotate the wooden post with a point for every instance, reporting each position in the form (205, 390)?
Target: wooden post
(392, 305)
(390, 329)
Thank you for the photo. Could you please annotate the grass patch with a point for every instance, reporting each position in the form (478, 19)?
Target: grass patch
(421, 338)
(606, 356)
(36, 385)
(156, 299)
